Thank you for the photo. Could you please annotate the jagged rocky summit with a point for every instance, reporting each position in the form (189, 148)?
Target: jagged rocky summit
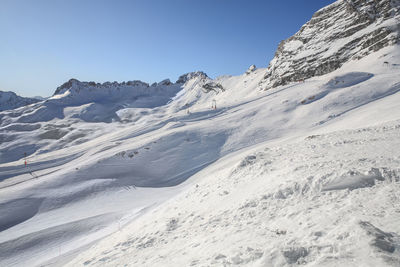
(188, 76)
(74, 84)
(342, 31)
(75, 92)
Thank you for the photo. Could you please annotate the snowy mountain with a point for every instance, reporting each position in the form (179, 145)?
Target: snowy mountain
(55, 122)
(342, 31)
(132, 93)
(40, 98)
(9, 100)
(215, 172)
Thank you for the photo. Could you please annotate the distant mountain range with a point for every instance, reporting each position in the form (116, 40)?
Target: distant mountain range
(10, 100)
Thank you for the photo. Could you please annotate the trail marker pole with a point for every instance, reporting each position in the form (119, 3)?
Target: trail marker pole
(214, 104)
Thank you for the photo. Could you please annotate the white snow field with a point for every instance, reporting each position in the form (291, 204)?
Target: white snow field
(307, 173)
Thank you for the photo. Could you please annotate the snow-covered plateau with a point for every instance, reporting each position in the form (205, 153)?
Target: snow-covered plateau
(209, 172)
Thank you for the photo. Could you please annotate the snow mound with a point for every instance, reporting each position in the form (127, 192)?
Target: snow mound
(385, 242)
(352, 181)
(348, 79)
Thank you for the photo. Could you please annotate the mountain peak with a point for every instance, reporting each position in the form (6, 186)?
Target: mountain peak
(342, 31)
(190, 75)
(76, 84)
(65, 86)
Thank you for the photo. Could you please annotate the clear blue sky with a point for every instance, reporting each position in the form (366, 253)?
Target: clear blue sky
(46, 42)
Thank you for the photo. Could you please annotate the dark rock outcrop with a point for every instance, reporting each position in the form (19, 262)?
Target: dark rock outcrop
(188, 76)
(251, 69)
(212, 86)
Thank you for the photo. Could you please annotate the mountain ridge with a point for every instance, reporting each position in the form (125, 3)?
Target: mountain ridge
(345, 30)
(10, 100)
(206, 172)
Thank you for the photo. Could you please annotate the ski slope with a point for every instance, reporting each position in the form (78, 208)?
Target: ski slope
(302, 173)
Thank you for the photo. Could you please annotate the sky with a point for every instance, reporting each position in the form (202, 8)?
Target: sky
(44, 43)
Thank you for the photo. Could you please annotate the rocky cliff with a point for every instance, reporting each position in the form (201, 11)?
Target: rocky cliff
(345, 30)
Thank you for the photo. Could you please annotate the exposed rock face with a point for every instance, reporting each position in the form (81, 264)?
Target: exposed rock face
(9, 100)
(186, 77)
(165, 82)
(342, 31)
(251, 69)
(212, 86)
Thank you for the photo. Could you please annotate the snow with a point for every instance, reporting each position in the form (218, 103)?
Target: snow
(306, 173)
(268, 209)
(293, 45)
(9, 100)
(60, 96)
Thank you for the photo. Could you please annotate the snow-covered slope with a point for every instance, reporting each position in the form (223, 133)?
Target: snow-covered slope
(342, 31)
(57, 122)
(324, 200)
(9, 100)
(207, 171)
(74, 193)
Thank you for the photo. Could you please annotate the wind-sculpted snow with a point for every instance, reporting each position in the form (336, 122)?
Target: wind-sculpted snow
(167, 161)
(349, 79)
(40, 241)
(272, 208)
(17, 211)
(343, 81)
